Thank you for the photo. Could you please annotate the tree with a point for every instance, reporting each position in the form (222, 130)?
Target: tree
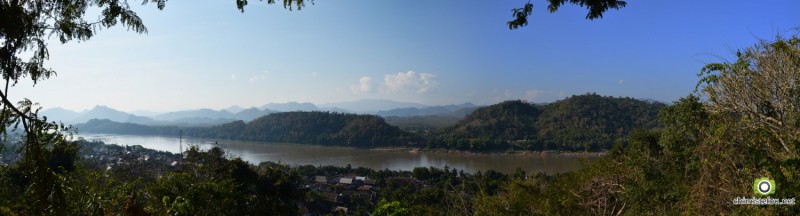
(596, 9)
(754, 104)
(761, 89)
(392, 208)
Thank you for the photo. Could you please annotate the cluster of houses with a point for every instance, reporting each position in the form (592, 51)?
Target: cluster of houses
(345, 191)
(341, 193)
(111, 156)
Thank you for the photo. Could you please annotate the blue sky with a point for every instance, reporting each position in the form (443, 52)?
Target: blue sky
(209, 55)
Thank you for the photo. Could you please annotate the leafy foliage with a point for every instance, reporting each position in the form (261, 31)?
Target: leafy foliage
(204, 183)
(596, 10)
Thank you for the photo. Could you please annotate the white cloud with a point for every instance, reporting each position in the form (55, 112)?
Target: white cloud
(410, 81)
(531, 95)
(621, 82)
(364, 85)
(260, 76)
(233, 76)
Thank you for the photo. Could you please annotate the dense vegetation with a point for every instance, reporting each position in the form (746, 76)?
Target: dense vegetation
(422, 123)
(579, 123)
(203, 182)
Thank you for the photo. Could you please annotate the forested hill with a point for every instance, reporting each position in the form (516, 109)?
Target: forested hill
(323, 128)
(582, 122)
(326, 128)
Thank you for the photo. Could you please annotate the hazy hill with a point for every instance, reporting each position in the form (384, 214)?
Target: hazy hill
(371, 105)
(199, 117)
(104, 112)
(250, 114)
(290, 106)
(448, 110)
(197, 113)
(427, 118)
(106, 126)
(234, 109)
(59, 114)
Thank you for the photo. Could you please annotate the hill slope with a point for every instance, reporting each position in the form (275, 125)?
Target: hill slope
(583, 122)
(325, 128)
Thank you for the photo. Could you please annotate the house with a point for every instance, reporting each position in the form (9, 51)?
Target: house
(346, 180)
(321, 179)
(341, 209)
(330, 197)
(364, 199)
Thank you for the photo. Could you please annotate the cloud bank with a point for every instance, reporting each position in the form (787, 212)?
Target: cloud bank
(410, 81)
(364, 85)
(400, 83)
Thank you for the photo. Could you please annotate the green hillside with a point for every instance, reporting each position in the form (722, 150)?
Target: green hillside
(326, 129)
(577, 123)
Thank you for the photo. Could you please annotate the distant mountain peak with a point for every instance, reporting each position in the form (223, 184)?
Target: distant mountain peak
(102, 107)
(290, 106)
(234, 109)
(373, 105)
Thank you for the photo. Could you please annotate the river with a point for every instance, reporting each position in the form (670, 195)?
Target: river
(299, 154)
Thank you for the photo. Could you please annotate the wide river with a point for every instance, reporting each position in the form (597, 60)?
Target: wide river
(298, 154)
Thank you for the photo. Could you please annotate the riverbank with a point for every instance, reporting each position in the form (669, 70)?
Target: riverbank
(514, 153)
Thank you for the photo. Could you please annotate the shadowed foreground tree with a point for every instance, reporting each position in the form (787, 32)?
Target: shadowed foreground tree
(25, 27)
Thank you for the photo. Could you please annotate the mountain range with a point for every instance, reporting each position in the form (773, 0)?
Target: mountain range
(208, 117)
(587, 122)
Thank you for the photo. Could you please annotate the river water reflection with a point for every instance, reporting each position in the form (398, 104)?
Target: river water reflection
(298, 154)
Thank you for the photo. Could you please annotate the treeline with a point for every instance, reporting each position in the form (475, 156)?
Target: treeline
(422, 123)
(587, 122)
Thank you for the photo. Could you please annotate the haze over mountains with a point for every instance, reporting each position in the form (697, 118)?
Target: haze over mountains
(208, 117)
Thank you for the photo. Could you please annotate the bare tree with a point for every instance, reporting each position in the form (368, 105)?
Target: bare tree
(762, 91)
